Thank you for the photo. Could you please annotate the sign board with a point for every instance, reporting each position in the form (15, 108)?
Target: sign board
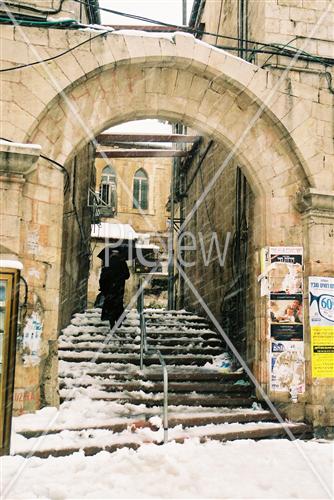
(321, 304)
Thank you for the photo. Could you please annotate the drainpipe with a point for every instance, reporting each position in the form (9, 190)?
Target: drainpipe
(243, 28)
(93, 11)
(184, 12)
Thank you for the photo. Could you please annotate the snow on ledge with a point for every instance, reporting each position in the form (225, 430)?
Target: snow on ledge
(13, 264)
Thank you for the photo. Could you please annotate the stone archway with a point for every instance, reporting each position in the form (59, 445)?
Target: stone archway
(176, 78)
(131, 76)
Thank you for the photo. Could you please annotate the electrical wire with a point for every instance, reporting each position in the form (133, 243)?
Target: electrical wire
(191, 30)
(54, 162)
(62, 168)
(35, 9)
(284, 46)
(20, 66)
(285, 49)
(41, 24)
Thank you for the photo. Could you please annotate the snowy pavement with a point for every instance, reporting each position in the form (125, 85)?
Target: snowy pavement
(199, 468)
(240, 469)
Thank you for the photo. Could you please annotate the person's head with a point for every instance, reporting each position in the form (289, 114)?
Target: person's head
(295, 304)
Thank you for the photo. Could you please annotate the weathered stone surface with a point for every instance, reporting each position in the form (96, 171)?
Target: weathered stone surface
(276, 125)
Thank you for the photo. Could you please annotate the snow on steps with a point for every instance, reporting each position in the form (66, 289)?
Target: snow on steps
(92, 441)
(109, 403)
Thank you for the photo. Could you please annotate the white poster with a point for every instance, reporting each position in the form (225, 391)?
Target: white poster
(287, 366)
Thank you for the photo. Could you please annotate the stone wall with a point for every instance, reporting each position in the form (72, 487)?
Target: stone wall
(75, 252)
(154, 219)
(224, 278)
(304, 24)
(38, 229)
(286, 19)
(277, 126)
(32, 224)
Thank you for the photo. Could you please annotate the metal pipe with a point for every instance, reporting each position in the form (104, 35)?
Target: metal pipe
(140, 304)
(165, 379)
(144, 350)
(184, 12)
(141, 341)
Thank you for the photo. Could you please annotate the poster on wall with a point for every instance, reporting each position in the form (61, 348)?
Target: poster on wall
(286, 316)
(287, 366)
(321, 304)
(283, 271)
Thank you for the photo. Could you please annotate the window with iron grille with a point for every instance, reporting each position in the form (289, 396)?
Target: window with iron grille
(140, 190)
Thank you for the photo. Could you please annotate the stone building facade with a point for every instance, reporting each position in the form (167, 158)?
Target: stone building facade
(276, 125)
(150, 224)
(232, 291)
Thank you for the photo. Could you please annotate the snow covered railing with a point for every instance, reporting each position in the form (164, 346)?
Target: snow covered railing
(145, 350)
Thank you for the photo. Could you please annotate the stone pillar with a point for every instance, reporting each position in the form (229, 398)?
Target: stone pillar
(317, 208)
(16, 161)
(32, 194)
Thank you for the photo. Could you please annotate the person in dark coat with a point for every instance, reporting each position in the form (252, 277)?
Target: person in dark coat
(112, 284)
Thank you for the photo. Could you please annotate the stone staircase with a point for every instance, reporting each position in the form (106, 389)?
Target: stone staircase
(108, 403)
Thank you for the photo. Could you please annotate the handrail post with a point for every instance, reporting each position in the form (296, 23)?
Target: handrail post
(144, 350)
(140, 308)
(165, 381)
(165, 372)
(141, 342)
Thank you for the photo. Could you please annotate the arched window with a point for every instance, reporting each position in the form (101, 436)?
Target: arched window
(108, 187)
(140, 190)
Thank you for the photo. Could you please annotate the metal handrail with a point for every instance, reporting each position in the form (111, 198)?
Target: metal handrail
(144, 350)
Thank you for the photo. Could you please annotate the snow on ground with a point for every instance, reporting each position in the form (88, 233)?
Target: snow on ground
(240, 469)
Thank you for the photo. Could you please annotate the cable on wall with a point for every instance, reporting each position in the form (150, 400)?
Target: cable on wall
(53, 162)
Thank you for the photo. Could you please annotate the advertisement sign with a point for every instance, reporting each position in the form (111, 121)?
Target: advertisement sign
(321, 304)
(286, 316)
(283, 275)
(287, 366)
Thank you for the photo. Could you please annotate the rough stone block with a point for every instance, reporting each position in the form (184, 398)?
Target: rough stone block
(59, 39)
(290, 3)
(299, 14)
(35, 36)
(183, 83)
(118, 47)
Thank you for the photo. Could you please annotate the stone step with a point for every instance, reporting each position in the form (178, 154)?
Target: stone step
(163, 319)
(139, 397)
(152, 332)
(135, 340)
(184, 324)
(150, 323)
(117, 441)
(188, 359)
(186, 420)
(135, 349)
(173, 387)
(189, 374)
(268, 431)
(147, 312)
(149, 316)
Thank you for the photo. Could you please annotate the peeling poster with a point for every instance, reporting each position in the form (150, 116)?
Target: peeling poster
(283, 268)
(32, 334)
